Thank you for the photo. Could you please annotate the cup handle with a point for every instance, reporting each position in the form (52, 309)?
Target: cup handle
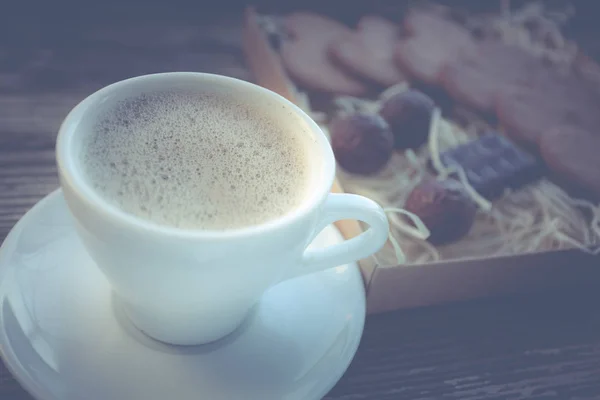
(339, 207)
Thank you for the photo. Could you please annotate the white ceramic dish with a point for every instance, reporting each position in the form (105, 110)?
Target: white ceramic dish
(64, 338)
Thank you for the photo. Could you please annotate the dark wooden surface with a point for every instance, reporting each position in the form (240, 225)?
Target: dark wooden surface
(535, 347)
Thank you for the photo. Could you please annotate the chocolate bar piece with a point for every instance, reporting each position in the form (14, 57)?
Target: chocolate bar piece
(492, 164)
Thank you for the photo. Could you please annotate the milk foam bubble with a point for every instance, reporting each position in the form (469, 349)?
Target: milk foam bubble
(196, 160)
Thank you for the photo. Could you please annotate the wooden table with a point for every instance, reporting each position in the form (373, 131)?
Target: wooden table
(535, 347)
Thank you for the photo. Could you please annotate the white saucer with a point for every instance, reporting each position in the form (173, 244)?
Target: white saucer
(63, 337)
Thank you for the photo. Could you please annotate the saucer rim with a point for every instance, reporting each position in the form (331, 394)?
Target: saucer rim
(7, 354)
(29, 385)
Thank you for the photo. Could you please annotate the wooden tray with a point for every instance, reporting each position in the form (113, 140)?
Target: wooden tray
(407, 286)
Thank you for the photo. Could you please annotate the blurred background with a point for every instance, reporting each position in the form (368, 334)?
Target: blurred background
(48, 44)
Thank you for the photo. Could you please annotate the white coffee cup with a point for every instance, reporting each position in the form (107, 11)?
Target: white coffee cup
(194, 286)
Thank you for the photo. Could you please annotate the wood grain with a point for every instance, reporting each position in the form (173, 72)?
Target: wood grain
(536, 347)
(545, 347)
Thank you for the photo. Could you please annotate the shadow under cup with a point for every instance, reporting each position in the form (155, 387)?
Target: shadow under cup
(185, 286)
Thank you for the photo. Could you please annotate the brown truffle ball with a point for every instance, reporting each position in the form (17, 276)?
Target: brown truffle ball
(409, 116)
(362, 143)
(444, 207)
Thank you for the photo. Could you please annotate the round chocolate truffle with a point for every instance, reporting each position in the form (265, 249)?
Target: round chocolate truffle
(362, 142)
(409, 115)
(444, 207)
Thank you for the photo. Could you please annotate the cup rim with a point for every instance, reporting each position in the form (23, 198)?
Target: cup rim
(70, 177)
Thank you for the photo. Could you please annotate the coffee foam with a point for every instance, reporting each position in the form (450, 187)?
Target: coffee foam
(197, 160)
